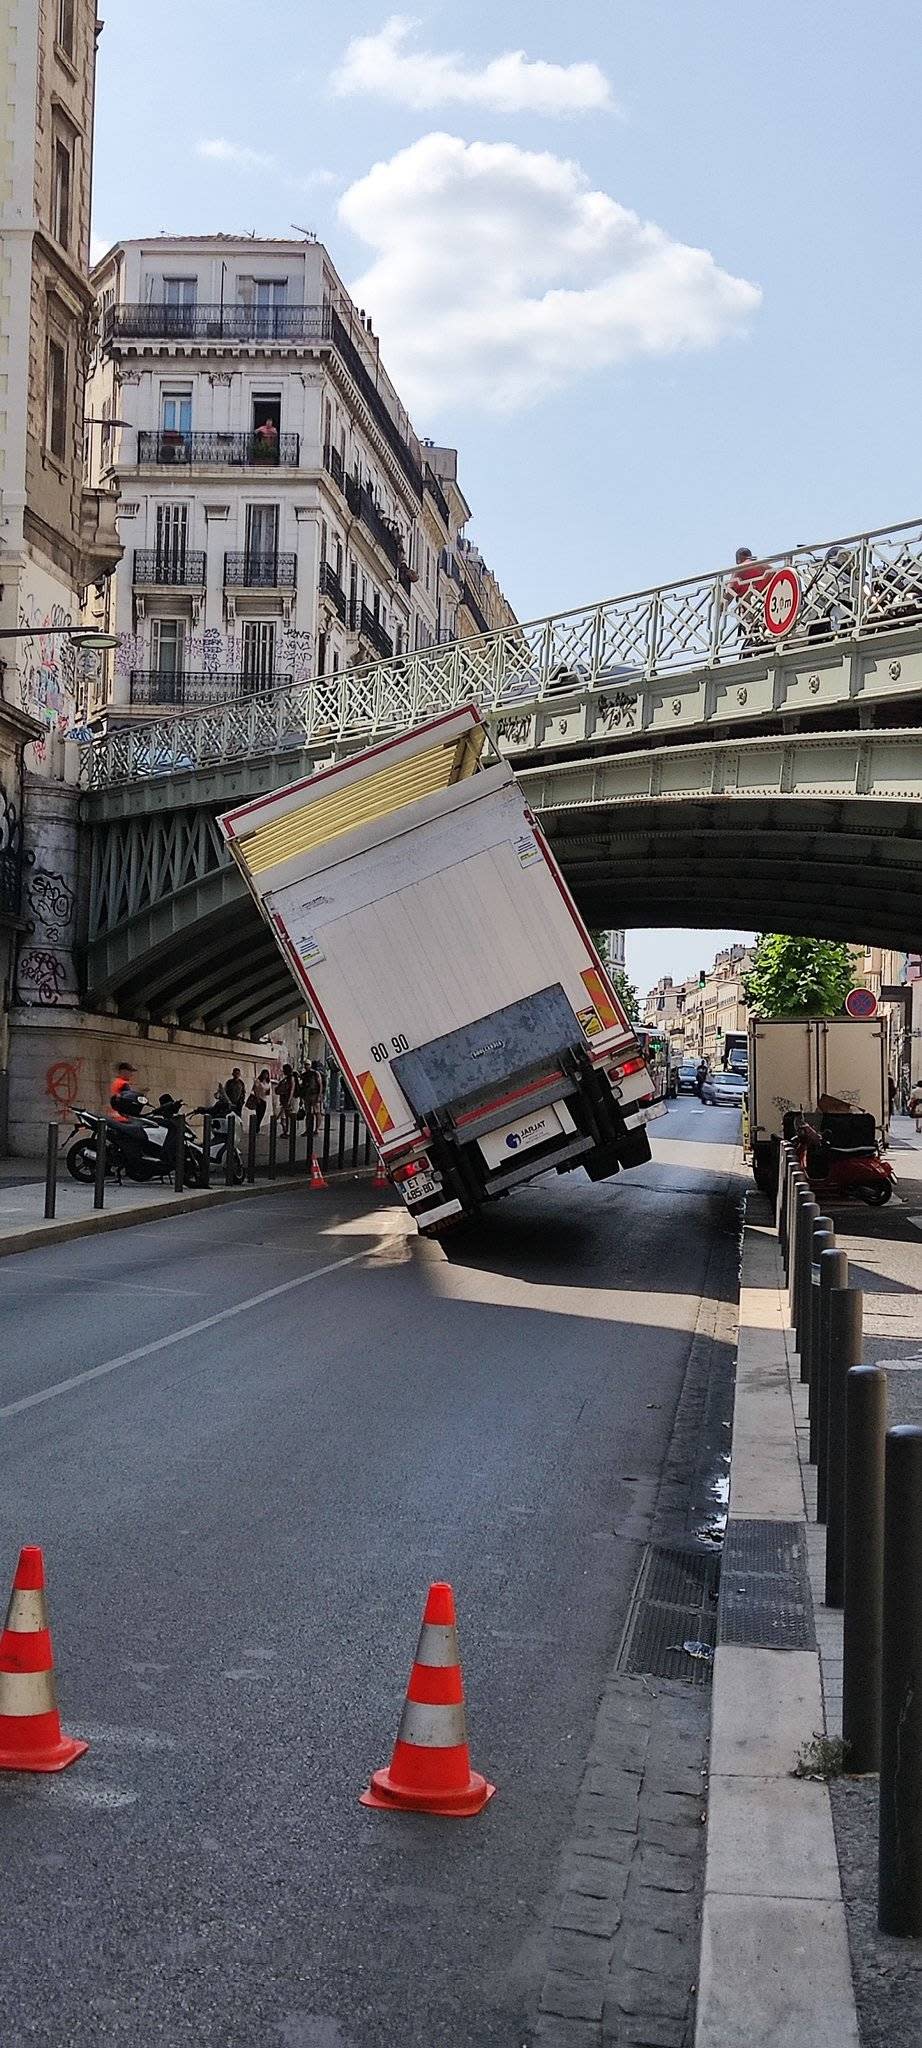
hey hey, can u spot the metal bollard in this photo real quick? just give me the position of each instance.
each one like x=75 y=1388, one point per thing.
x=99 y=1178
x=865 y=1433
x=292 y=1144
x=178 y=1127
x=844 y=1349
x=899 y=1898
x=51 y=1170
x=780 y=1188
x=206 y=1150
x=833 y=1276
x=807 y=1214
x=273 y=1146
x=252 y=1134
x=801 y=1195
x=822 y=1239
x=230 y=1151
x=796 y=1180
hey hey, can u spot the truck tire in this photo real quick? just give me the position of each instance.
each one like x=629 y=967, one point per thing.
x=634 y=1149
x=601 y=1164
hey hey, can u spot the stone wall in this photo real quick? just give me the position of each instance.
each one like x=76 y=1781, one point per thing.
x=62 y=1057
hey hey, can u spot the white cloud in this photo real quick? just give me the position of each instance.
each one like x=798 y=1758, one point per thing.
x=499 y=275
x=218 y=151
x=382 y=65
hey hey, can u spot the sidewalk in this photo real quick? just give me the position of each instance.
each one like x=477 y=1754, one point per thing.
x=791 y=1956
x=24 y=1227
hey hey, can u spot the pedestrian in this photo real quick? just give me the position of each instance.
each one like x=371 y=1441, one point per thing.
x=124 y=1100
x=286 y=1094
x=746 y=589
x=259 y=1095
x=235 y=1090
x=701 y=1074
x=311 y=1092
x=914 y=1105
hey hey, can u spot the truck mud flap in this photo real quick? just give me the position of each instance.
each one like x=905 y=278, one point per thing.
x=634 y=1149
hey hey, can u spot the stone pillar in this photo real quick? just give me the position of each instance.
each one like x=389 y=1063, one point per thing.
x=46 y=972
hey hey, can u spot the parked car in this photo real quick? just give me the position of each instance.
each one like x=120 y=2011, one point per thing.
x=721 y=1089
x=686 y=1077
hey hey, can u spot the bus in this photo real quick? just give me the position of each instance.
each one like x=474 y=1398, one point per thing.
x=655 y=1048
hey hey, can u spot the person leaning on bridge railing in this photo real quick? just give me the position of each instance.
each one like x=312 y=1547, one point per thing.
x=746 y=589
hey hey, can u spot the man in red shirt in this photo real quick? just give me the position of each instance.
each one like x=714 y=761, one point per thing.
x=747 y=589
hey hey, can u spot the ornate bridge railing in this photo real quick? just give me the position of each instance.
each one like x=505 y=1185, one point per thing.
x=856 y=587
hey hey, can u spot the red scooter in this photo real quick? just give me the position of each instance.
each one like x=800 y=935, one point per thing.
x=840 y=1156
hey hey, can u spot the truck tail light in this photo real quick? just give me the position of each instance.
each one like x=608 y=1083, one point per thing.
x=630 y=1067
x=411 y=1168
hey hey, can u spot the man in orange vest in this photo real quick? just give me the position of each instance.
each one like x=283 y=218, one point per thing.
x=124 y=1102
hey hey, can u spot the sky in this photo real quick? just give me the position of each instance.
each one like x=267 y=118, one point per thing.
x=653 y=268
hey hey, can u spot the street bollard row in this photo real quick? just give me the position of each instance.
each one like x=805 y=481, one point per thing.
x=339 y=1139
x=869 y=1494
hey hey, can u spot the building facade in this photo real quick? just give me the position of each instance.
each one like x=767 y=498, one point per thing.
x=280 y=516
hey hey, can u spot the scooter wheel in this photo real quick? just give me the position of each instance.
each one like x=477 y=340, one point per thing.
x=81 y=1160
x=876 y=1196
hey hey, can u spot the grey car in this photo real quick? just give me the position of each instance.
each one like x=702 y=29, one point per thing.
x=721 y=1089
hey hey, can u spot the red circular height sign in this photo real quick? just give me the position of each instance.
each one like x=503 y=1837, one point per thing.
x=861 y=1002
x=782 y=602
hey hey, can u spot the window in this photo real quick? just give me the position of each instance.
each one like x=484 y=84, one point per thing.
x=172 y=532
x=259 y=653
x=66 y=26
x=262 y=541
x=60 y=193
x=323 y=542
x=270 y=295
x=168 y=646
x=176 y=410
x=56 y=399
x=105 y=439
x=179 y=291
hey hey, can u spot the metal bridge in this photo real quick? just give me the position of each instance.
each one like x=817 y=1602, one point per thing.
x=688 y=770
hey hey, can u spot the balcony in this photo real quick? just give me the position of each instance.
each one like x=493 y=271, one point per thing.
x=362 y=505
x=435 y=491
x=218 y=450
x=333 y=464
x=217 y=323
x=250 y=571
x=331 y=587
x=184 y=570
x=10 y=859
x=198 y=689
x=363 y=621
x=101 y=546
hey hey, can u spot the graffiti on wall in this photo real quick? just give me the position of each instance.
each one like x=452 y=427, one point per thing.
x=213 y=653
x=52 y=904
x=48 y=668
x=62 y=1084
x=41 y=977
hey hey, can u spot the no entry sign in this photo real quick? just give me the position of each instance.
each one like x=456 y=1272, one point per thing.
x=782 y=602
x=861 y=1002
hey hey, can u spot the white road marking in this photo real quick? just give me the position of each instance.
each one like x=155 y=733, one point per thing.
x=238 y=1308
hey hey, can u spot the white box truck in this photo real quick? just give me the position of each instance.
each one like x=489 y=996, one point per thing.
x=793 y=1063
x=421 y=911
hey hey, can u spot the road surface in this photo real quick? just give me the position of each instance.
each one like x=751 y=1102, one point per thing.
x=247 y=1441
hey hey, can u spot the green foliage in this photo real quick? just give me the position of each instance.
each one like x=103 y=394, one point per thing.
x=793 y=977
x=601 y=943
x=626 y=993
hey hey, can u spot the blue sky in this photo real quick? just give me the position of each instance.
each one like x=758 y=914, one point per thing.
x=627 y=412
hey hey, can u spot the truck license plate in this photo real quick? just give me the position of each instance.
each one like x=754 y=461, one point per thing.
x=527 y=1131
x=421 y=1187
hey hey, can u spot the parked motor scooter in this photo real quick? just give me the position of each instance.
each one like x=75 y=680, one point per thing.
x=143 y=1148
x=839 y=1153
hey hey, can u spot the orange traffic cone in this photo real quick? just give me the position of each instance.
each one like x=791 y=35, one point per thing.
x=316 y=1179
x=430 y=1770
x=381 y=1179
x=30 y=1725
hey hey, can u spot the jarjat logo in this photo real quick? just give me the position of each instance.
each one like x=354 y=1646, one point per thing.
x=517 y=1138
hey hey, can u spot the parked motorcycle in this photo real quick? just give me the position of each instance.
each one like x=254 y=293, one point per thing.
x=143 y=1148
x=839 y=1153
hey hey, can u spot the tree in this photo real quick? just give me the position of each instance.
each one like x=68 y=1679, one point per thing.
x=792 y=977
x=602 y=946
x=626 y=994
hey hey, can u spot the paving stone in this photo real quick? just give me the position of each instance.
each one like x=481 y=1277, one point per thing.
x=661 y=1950
x=588 y=1915
x=667 y=1912
x=573 y=1998
x=639 y=1991
x=583 y=1955
x=553 y=2032
x=681 y=1807
x=653 y=2031
x=678 y=1838
x=606 y=1778
x=670 y=1873
x=599 y=1877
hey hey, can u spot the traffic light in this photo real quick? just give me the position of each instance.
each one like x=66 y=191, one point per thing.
x=702 y=976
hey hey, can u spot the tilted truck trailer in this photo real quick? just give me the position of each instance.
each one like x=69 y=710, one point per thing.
x=795 y=1063
x=421 y=911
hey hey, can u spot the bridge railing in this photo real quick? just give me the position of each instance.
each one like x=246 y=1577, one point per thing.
x=859 y=585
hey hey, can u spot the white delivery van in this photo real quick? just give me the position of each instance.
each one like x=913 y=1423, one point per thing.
x=421 y=911
x=793 y=1063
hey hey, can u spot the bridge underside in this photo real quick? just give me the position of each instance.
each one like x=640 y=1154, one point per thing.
x=830 y=868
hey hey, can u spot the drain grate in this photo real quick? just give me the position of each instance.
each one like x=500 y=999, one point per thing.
x=765 y=1600
x=675 y=1603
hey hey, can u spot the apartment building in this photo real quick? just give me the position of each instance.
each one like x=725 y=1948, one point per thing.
x=699 y=1013
x=664 y=1010
x=280 y=516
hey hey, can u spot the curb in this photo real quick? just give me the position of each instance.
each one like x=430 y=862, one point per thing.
x=775 y=1963
x=38 y=1235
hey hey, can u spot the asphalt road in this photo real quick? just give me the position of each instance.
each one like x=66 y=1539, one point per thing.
x=247 y=1441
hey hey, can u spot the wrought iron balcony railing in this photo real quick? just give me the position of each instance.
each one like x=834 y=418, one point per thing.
x=198 y=688
x=217 y=324
x=333 y=463
x=331 y=587
x=161 y=322
x=362 y=505
x=249 y=571
x=183 y=569
x=435 y=491
x=363 y=621
x=664 y=663
x=218 y=450
x=10 y=858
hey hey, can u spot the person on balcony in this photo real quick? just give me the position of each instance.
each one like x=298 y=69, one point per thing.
x=267 y=442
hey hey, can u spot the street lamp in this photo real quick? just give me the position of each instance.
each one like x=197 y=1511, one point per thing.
x=80 y=636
